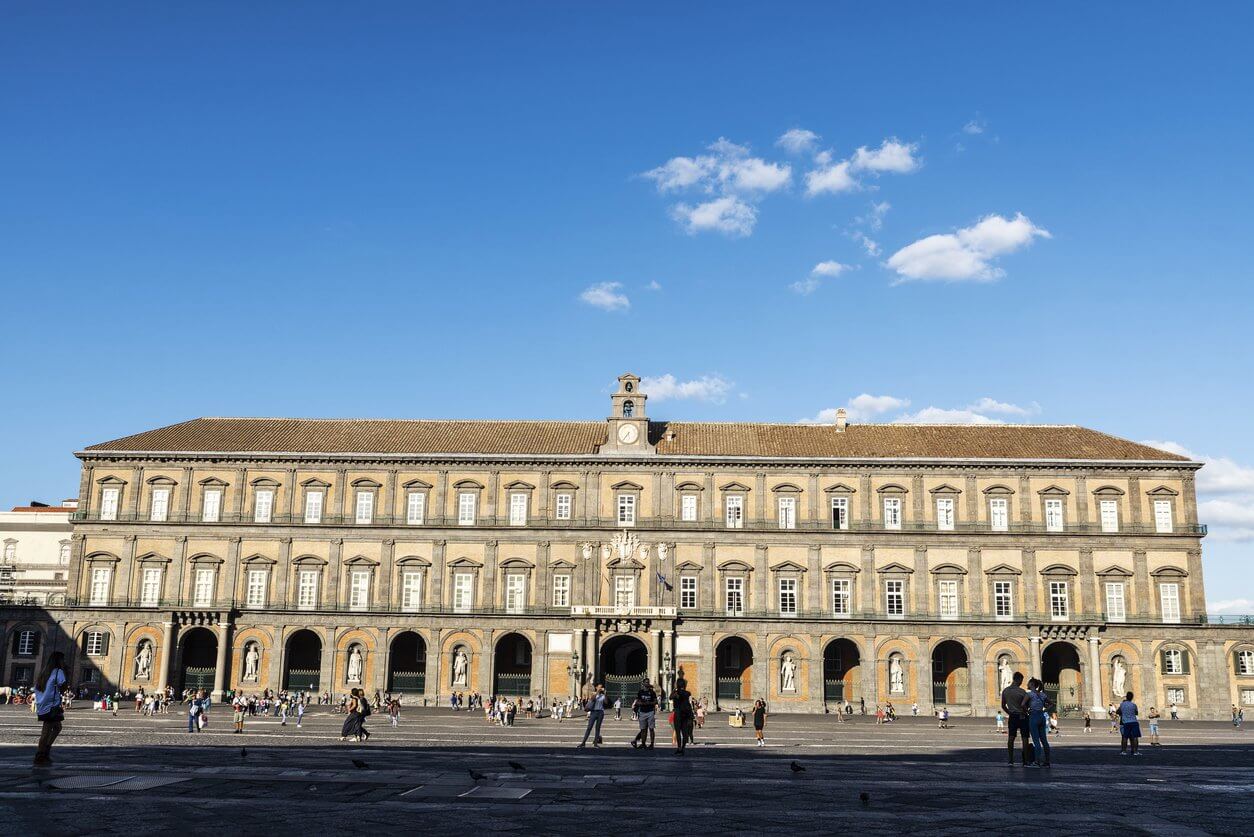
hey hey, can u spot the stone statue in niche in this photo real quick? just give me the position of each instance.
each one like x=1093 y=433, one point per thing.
x=1004 y=674
x=354 y=665
x=896 y=675
x=252 y=658
x=788 y=674
x=460 y=664
x=1118 y=677
x=143 y=660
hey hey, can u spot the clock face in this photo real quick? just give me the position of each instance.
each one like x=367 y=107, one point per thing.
x=627 y=434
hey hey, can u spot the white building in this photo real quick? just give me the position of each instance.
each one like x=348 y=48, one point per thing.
x=35 y=553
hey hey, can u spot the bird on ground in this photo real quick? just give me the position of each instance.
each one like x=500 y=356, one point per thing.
x=476 y=775
x=796 y=768
x=518 y=767
x=360 y=765
x=864 y=797
x=243 y=752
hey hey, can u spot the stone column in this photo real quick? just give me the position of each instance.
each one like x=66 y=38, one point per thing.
x=813 y=581
x=229 y=583
x=134 y=502
x=759 y=505
x=543 y=595
x=237 y=501
x=584 y=497
x=487 y=663
x=326 y=665
x=1026 y=501
x=975 y=582
x=979 y=687
x=918 y=496
x=1095 y=678
x=186 y=503
x=494 y=490
x=341 y=489
x=923 y=678
x=594 y=650
x=289 y=488
x=165 y=658
x=392 y=517
x=869 y=669
x=764 y=668
x=761 y=573
x=594 y=500
x=812 y=491
x=657 y=496
x=711 y=499
x=867 y=583
x=219 y=670
x=433 y=684
x=972 y=492
x=1189 y=495
x=1030 y=583
x=864 y=500
x=544 y=512
x=1035 y=643
x=1197 y=591
x=1142 y=608
x=1088 y=604
x=386 y=570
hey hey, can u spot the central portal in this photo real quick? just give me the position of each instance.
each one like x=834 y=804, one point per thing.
x=624 y=666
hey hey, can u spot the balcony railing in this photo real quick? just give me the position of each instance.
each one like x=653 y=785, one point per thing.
x=659 y=524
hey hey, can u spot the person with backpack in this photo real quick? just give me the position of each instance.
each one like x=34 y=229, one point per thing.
x=1037 y=706
x=48 y=706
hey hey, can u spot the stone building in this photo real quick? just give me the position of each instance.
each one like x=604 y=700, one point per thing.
x=808 y=564
x=35 y=553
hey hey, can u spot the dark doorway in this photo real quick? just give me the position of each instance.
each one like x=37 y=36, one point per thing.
x=734 y=669
x=951 y=676
x=303 y=666
x=624 y=666
x=841 y=671
x=199 y=659
x=1060 y=669
x=512 y=666
x=407 y=664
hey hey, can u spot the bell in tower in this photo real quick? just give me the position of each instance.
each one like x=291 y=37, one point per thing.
x=628 y=422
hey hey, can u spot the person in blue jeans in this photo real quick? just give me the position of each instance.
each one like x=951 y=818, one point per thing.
x=596 y=714
x=1037 y=706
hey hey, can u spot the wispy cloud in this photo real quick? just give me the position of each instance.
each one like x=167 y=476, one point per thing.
x=891 y=408
x=711 y=388
x=975 y=126
x=655 y=285
x=968 y=254
x=864 y=407
x=797 y=141
x=728 y=215
x=607 y=296
x=1225 y=492
x=821 y=271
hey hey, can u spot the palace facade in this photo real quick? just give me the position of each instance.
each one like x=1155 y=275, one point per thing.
x=807 y=564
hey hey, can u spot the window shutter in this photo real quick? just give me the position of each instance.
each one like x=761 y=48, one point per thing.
x=1162 y=661
x=104 y=645
x=1236 y=662
x=1184 y=660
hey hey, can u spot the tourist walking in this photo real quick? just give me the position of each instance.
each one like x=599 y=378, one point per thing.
x=1012 y=703
x=1037 y=705
x=618 y=709
x=300 y=712
x=681 y=708
x=193 y=715
x=352 y=721
x=914 y=710
x=238 y=704
x=1129 y=727
x=1001 y=722
x=595 y=707
x=645 y=709
x=49 y=707
x=1175 y=713
x=759 y=722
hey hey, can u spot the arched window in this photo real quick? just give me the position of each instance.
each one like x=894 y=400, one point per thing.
x=629 y=409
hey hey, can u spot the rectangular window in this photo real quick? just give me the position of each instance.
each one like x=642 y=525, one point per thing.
x=947 y=593
x=1053 y=515
x=561 y=591
x=150 y=587
x=109 y=504
x=840 y=512
x=359 y=590
x=895 y=599
x=788 y=597
x=1110 y=515
x=564 y=506
x=313 y=507
x=1162 y=517
x=307 y=590
x=1245 y=663
x=842 y=597
x=100 y=586
x=160 y=508
x=945 y=514
x=1003 y=601
x=517 y=509
x=1059 y=601
x=463 y=592
x=415 y=508
x=624 y=591
x=202 y=587
x=1116 y=607
x=626 y=509
x=411 y=591
x=466 y=508
x=211 y=505
x=1169 y=598
x=892 y=512
x=515 y=593
x=365 y=507
x=1173 y=661
x=1176 y=695
x=263 y=505
x=1247 y=697
x=788 y=512
x=735 y=589
x=95 y=643
x=999 y=514
x=255 y=595
x=27 y=642
x=734 y=505
x=688 y=592
x=688 y=507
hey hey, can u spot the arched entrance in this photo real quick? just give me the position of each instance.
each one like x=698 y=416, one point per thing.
x=512 y=666
x=841 y=666
x=199 y=658
x=951 y=674
x=302 y=664
x=733 y=669
x=624 y=666
x=407 y=664
x=1060 y=670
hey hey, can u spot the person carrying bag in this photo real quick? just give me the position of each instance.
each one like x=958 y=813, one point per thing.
x=48 y=706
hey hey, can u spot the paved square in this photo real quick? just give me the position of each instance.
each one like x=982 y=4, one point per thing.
x=133 y=774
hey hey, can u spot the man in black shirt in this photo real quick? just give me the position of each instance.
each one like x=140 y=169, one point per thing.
x=645 y=706
x=1012 y=699
x=681 y=705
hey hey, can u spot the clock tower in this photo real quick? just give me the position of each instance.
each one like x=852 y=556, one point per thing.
x=628 y=424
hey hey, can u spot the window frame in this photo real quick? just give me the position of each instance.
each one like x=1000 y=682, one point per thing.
x=1058 y=522
x=363 y=506
x=308 y=595
x=688 y=588
x=734 y=584
x=785 y=588
x=255 y=584
x=1119 y=613
x=1008 y=596
x=358 y=589
x=205 y=515
x=895 y=592
x=518 y=503
x=516 y=586
x=948 y=590
x=561 y=590
x=563 y=505
x=625 y=508
x=1159 y=504
x=838 y=589
x=415 y=508
x=786 y=511
x=840 y=521
x=1059 y=600
x=463 y=598
x=467 y=501
x=268 y=507
x=208 y=575
x=165 y=493
x=110 y=502
x=686 y=514
x=733 y=510
x=315 y=505
x=893 y=521
x=100 y=586
x=1174 y=617
x=145 y=574
x=411 y=594
x=1108 y=515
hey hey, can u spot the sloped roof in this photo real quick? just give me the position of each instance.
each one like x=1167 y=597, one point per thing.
x=576 y=438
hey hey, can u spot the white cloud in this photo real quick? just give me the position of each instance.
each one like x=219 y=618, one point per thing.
x=797 y=140
x=875 y=220
x=712 y=388
x=989 y=405
x=606 y=296
x=940 y=415
x=966 y=255
x=728 y=215
x=655 y=285
x=680 y=173
x=1225 y=490
x=821 y=271
x=975 y=126
x=870 y=245
x=831 y=180
x=892 y=156
x=863 y=407
x=1220 y=475
x=1239 y=606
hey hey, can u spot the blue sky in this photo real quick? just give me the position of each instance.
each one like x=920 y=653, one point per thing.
x=491 y=210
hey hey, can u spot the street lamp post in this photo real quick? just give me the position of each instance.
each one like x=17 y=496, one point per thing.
x=575 y=670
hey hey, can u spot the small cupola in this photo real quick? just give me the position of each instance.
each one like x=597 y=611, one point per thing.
x=628 y=430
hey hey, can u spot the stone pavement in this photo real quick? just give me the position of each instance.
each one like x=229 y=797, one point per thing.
x=129 y=774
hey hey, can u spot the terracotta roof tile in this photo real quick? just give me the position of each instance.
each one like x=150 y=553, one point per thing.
x=861 y=441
